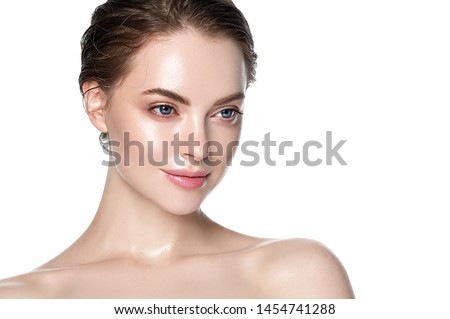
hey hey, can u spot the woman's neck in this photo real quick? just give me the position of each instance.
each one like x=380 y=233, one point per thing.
x=128 y=225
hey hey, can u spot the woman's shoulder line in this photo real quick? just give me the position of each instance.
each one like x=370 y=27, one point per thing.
x=301 y=268
x=39 y=283
x=28 y=285
x=292 y=245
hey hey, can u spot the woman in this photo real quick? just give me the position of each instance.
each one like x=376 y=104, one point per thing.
x=164 y=82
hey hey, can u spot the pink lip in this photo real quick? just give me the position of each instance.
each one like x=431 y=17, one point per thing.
x=186 y=179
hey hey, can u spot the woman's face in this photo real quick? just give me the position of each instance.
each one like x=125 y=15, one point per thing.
x=175 y=118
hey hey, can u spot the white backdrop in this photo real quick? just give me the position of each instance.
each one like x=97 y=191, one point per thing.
x=375 y=73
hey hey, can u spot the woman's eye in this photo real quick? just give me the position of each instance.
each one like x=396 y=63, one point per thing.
x=228 y=113
x=163 y=110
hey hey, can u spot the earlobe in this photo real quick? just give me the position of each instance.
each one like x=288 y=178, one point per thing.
x=94 y=102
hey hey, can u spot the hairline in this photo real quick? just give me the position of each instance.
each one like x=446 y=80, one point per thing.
x=165 y=35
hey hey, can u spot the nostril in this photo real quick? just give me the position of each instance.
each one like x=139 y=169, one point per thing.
x=201 y=151
x=193 y=147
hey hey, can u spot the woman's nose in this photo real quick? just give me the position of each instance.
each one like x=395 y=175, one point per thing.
x=195 y=144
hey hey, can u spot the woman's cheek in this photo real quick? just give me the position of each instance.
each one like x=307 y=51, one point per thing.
x=224 y=143
x=141 y=143
x=158 y=138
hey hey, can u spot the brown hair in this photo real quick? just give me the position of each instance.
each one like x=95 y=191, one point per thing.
x=119 y=28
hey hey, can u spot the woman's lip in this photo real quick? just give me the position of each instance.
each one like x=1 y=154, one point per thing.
x=186 y=179
x=185 y=173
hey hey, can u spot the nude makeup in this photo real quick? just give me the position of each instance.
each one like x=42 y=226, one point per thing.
x=186 y=178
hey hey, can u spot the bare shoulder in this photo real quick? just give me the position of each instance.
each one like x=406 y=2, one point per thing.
x=301 y=268
x=23 y=286
x=36 y=284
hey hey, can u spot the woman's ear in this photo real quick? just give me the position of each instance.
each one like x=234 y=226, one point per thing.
x=94 y=101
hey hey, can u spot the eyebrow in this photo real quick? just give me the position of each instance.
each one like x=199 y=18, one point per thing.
x=177 y=97
x=231 y=98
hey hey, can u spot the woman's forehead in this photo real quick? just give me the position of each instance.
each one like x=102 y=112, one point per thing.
x=188 y=61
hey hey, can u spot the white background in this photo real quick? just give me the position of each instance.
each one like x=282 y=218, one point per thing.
x=375 y=73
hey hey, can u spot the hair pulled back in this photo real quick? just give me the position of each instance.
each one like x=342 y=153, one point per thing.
x=119 y=28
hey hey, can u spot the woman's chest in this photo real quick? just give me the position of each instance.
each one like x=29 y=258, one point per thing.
x=202 y=278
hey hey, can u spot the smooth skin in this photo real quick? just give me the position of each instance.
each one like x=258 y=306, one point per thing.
x=149 y=238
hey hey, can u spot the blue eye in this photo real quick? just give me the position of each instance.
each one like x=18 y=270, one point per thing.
x=228 y=113
x=163 y=109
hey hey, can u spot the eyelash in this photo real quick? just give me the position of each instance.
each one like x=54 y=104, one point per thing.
x=235 y=114
x=155 y=111
x=155 y=108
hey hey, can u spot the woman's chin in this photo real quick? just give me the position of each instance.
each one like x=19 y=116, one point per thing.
x=181 y=209
x=184 y=204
